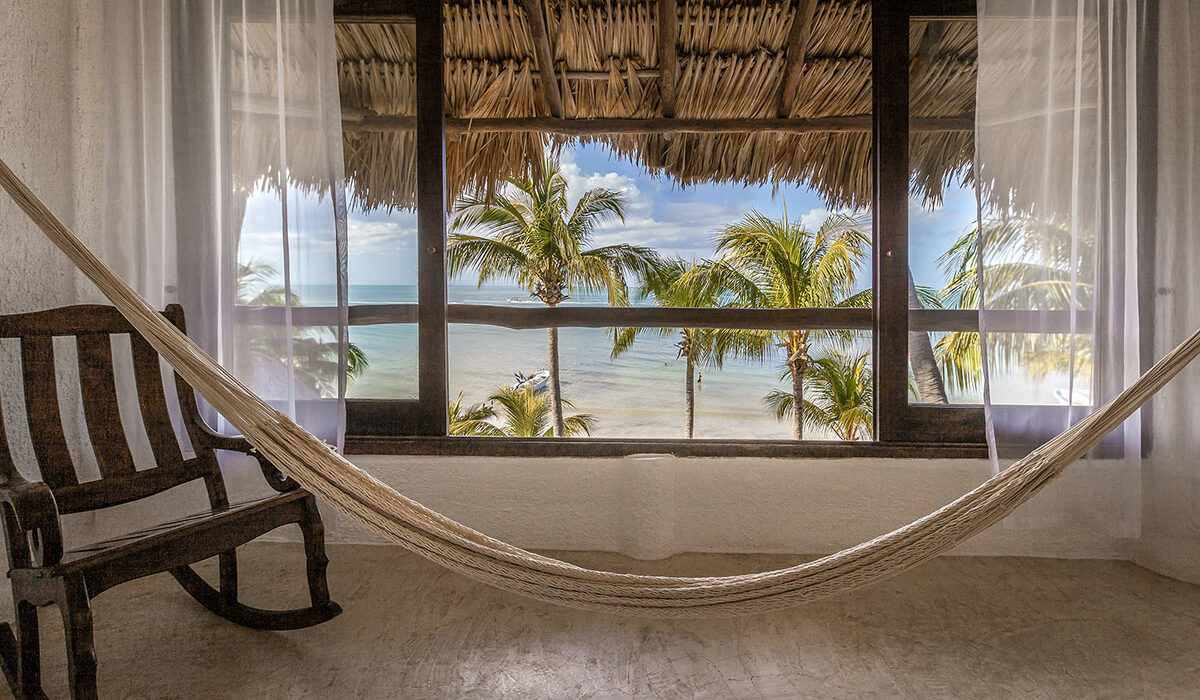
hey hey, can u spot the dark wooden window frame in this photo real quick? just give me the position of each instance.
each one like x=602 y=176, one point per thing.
x=386 y=426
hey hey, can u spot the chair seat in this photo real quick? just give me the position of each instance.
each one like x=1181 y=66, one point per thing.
x=191 y=530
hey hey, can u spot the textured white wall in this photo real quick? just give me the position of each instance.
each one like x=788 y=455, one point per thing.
x=38 y=119
x=651 y=507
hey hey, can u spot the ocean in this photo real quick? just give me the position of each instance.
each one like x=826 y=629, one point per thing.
x=639 y=394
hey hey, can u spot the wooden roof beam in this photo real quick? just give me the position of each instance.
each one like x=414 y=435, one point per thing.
x=657 y=125
x=545 y=59
x=373 y=11
x=797 y=47
x=668 y=58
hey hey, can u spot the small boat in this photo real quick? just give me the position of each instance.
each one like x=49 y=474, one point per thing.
x=533 y=382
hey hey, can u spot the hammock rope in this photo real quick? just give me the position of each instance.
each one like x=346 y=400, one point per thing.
x=459 y=548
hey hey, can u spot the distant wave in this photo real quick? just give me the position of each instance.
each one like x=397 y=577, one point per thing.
x=524 y=301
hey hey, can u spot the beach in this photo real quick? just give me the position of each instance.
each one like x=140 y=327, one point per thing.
x=639 y=394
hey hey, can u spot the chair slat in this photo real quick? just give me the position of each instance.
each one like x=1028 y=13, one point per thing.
x=67 y=320
x=99 y=388
x=41 y=407
x=7 y=467
x=122 y=489
x=152 y=399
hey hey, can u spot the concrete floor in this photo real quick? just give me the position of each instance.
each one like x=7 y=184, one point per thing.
x=957 y=627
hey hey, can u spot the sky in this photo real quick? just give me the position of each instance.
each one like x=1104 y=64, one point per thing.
x=672 y=219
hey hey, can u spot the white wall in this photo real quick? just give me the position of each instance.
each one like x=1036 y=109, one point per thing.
x=38 y=117
x=652 y=507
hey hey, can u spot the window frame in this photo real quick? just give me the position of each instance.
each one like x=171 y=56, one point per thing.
x=387 y=426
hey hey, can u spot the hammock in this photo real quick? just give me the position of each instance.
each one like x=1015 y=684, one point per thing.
x=457 y=547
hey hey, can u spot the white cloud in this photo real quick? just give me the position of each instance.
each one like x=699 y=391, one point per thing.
x=365 y=237
x=578 y=183
x=675 y=222
x=814 y=218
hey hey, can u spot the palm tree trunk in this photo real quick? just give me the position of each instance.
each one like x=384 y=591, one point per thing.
x=798 y=401
x=556 y=411
x=930 y=387
x=689 y=399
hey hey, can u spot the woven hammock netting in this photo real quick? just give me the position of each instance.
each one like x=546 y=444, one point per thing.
x=457 y=547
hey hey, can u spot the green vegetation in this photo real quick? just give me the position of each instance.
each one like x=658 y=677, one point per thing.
x=314 y=357
x=780 y=264
x=1027 y=264
x=528 y=233
x=680 y=284
x=523 y=412
x=471 y=420
x=839 y=398
x=534 y=236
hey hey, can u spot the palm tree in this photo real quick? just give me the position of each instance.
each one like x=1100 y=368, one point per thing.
x=472 y=420
x=314 y=359
x=930 y=385
x=534 y=236
x=527 y=413
x=780 y=264
x=1027 y=264
x=841 y=398
x=677 y=283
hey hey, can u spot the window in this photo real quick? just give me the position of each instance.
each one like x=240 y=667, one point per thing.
x=454 y=337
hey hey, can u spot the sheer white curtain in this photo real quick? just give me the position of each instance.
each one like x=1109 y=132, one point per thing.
x=222 y=185
x=1171 y=487
x=1059 y=122
x=1088 y=149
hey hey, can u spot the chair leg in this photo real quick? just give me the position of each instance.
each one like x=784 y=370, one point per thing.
x=29 y=660
x=223 y=601
x=76 y=612
x=313 y=530
x=227 y=568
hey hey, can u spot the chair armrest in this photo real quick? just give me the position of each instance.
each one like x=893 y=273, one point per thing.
x=31 y=520
x=211 y=439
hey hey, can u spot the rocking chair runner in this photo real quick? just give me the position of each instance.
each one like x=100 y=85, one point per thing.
x=43 y=574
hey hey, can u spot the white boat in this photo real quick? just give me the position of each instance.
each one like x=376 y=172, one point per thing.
x=533 y=382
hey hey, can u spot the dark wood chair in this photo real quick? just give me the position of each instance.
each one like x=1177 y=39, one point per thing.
x=43 y=574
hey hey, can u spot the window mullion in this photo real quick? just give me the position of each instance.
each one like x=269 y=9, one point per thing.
x=431 y=221
x=889 y=87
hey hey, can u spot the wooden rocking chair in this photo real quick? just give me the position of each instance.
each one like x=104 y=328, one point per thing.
x=43 y=574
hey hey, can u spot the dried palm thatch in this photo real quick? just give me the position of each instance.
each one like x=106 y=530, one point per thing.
x=731 y=59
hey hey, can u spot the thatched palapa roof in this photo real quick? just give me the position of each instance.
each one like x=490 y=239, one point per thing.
x=799 y=68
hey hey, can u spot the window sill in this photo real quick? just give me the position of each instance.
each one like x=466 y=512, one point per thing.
x=594 y=447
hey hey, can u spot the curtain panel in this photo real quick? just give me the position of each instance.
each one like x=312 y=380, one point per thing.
x=1088 y=168
x=223 y=186
x=1059 y=117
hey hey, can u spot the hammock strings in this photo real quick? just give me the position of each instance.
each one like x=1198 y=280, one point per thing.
x=379 y=507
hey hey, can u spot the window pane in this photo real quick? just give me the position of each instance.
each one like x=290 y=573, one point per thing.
x=642 y=392
x=382 y=227
x=390 y=368
x=944 y=363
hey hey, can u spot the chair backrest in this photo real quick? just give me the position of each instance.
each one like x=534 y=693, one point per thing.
x=92 y=328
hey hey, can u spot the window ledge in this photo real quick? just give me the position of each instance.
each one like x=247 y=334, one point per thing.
x=595 y=447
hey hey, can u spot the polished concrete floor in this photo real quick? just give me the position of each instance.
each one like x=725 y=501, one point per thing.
x=957 y=627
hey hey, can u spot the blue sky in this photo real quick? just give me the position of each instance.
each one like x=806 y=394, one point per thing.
x=672 y=219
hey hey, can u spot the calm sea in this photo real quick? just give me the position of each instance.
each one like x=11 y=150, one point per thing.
x=639 y=394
